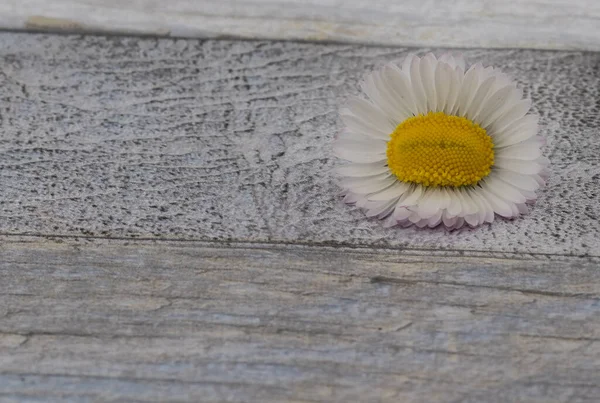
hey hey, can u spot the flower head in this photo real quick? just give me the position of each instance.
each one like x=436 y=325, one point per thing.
x=435 y=144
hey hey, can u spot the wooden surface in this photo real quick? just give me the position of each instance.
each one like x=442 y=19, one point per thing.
x=170 y=231
x=157 y=321
x=545 y=24
x=221 y=140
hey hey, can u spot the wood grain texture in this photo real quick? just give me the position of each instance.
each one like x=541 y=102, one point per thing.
x=254 y=283
x=186 y=321
x=547 y=24
x=230 y=140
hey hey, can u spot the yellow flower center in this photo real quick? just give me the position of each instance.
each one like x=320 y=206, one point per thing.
x=440 y=150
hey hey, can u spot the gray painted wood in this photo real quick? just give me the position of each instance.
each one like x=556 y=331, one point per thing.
x=101 y=320
x=229 y=140
x=550 y=24
x=254 y=283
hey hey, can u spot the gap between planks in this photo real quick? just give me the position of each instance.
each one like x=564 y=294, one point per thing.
x=98 y=241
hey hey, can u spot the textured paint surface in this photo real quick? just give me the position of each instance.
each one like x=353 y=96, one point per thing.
x=226 y=140
x=176 y=321
x=549 y=24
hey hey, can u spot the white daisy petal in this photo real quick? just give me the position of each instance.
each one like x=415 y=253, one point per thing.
x=503 y=190
x=382 y=209
x=400 y=87
x=456 y=80
x=402 y=213
x=368 y=112
x=362 y=202
x=348 y=135
x=414 y=196
x=480 y=95
x=414 y=218
x=422 y=223
x=373 y=147
x=448 y=220
x=455 y=206
x=375 y=186
x=500 y=206
x=359 y=156
x=455 y=225
x=358 y=170
x=377 y=88
x=495 y=112
x=516 y=112
x=427 y=72
x=351 y=198
x=407 y=63
x=469 y=205
x=523 y=182
x=443 y=81
x=484 y=210
x=486 y=72
x=435 y=220
x=467 y=90
x=393 y=192
x=445 y=198
x=448 y=59
x=521 y=130
x=530 y=196
x=502 y=80
x=405 y=223
x=545 y=173
x=460 y=62
x=543 y=161
x=528 y=151
x=539 y=179
x=371 y=88
x=494 y=102
x=352 y=182
x=518 y=166
x=489 y=211
x=430 y=203
x=356 y=125
x=389 y=222
x=515 y=210
x=523 y=209
x=472 y=219
x=455 y=61
x=417 y=86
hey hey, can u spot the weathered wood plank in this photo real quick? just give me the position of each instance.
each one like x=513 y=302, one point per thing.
x=168 y=321
x=189 y=139
x=556 y=24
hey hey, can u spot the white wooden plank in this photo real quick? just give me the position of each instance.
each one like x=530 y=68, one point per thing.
x=186 y=321
x=549 y=24
x=230 y=140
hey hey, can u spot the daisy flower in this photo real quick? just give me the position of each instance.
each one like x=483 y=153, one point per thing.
x=435 y=144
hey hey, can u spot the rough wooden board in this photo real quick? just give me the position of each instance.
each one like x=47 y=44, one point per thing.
x=554 y=24
x=158 y=321
x=189 y=139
